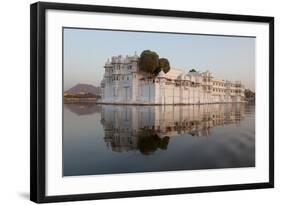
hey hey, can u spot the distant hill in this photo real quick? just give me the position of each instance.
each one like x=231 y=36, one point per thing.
x=84 y=88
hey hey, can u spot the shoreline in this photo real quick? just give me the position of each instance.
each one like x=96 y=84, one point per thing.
x=79 y=100
x=95 y=101
x=176 y=104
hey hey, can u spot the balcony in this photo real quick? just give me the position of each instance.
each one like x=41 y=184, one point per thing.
x=116 y=71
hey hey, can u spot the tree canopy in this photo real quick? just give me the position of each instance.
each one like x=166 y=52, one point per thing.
x=192 y=70
x=164 y=65
x=150 y=63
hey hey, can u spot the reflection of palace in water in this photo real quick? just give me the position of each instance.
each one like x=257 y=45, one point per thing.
x=148 y=128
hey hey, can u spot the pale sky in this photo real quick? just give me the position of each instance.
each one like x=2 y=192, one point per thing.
x=228 y=58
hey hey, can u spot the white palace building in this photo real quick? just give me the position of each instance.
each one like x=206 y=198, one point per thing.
x=124 y=83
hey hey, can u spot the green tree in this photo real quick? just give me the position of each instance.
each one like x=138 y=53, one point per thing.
x=149 y=61
x=164 y=65
x=192 y=70
x=157 y=71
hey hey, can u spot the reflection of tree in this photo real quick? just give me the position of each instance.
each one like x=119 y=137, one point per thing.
x=149 y=142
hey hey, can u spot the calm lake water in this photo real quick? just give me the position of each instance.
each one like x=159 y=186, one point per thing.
x=109 y=139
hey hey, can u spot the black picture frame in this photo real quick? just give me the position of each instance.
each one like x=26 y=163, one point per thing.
x=38 y=101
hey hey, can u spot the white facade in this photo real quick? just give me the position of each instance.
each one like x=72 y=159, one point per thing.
x=124 y=83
